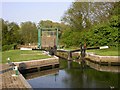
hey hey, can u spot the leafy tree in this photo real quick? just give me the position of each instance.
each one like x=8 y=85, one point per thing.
x=84 y=14
x=104 y=33
x=50 y=24
x=13 y=32
x=46 y=24
x=10 y=33
x=28 y=32
x=115 y=10
x=104 y=29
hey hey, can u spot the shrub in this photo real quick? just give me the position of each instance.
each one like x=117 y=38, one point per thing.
x=9 y=47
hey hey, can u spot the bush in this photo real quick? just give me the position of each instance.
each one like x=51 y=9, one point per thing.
x=9 y=47
x=99 y=35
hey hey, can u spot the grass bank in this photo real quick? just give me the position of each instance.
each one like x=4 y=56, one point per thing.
x=106 y=52
x=18 y=55
x=112 y=51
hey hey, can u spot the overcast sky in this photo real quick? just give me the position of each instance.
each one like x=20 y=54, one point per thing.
x=34 y=11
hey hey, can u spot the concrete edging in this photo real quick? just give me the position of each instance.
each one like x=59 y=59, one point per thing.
x=55 y=59
x=37 y=60
x=27 y=85
x=99 y=58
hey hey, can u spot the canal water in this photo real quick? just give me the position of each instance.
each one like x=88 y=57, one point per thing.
x=72 y=77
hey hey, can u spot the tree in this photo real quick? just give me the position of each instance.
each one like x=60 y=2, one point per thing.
x=46 y=24
x=10 y=34
x=4 y=32
x=13 y=30
x=84 y=14
x=102 y=29
x=28 y=32
x=115 y=10
x=50 y=24
x=0 y=40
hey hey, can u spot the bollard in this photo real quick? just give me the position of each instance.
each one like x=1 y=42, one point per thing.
x=8 y=60
x=16 y=71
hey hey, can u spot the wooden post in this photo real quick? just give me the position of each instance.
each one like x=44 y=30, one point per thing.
x=83 y=53
x=69 y=55
x=57 y=37
x=69 y=59
x=55 y=49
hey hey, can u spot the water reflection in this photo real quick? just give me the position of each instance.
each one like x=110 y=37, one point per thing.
x=74 y=77
x=103 y=67
x=69 y=64
x=41 y=73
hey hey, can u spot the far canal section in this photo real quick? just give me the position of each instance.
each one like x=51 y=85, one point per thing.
x=74 y=76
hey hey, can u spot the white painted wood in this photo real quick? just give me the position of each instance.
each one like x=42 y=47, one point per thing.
x=25 y=48
x=104 y=47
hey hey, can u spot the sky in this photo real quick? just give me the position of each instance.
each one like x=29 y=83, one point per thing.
x=33 y=11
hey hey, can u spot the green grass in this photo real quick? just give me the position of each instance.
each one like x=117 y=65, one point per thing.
x=112 y=51
x=106 y=52
x=18 y=55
